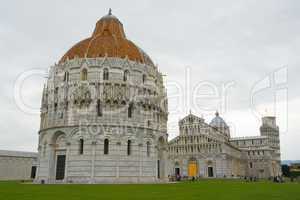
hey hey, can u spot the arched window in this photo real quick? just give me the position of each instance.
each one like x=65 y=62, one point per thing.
x=106 y=146
x=130 y=110
x=67 y=105
x=126 y=75
x=44 y=149
x=66 y=77
x=56 y=91
x=148 y=149
x=144 y=78
x=55 y=107
x=105 y=74
x=84 y=74
x=129 y=147
x=81 y=143
x=99 y=108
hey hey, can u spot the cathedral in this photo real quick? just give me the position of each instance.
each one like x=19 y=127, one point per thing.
x=104 y=117
x=207 y=150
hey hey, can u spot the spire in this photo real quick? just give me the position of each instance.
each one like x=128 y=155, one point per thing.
x=190 y=111
x=109 y=11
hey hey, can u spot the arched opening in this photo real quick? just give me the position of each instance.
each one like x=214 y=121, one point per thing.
x=192 y=168
x=106 y=147
x=99 y=108
x=105 y=74
x=84 y=74
x=125 y=75
x=81 y=144
x=67 y=105
x=148 y=149
x=56 y=91
x=66 y=77
x=58 y=162
x=144 y=78
x=55 y=107
x=210 y=172
x=130 y=110
x=129 y=147
x=210 y=169
x=177 y=170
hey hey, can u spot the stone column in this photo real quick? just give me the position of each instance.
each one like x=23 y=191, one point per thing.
x=68 y=144
x=140 y=160
x=118 y=159
x=37 y=174
x=155 y=160
x=51 y=163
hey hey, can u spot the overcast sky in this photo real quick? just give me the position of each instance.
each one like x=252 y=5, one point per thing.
x=232 y=56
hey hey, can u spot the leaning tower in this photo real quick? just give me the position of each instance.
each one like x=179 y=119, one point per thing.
x=104 y=113
x=270 y=129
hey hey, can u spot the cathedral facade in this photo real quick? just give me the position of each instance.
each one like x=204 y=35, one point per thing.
x=104 y=119
x=207 y=150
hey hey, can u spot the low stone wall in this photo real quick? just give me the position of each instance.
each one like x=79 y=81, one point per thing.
x=16 y=165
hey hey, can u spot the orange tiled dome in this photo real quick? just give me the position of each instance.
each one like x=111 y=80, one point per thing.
x=108 y=39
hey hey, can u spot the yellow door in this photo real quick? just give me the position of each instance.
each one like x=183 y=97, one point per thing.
x=192 y=170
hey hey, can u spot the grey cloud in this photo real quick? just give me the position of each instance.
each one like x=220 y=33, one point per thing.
x=221 y=41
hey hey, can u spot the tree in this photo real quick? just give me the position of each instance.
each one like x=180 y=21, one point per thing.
x=285 y=170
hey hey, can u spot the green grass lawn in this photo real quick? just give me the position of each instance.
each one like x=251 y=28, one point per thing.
x=212 y=189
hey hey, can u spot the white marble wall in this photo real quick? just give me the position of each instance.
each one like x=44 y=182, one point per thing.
x=69 y=110
x=16 y=166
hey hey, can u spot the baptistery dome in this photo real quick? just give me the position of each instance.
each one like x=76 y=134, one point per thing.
x=108 y=39
x=104 y=113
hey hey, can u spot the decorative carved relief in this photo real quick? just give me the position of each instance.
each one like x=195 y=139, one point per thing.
x=82 y=96
x=116 y=93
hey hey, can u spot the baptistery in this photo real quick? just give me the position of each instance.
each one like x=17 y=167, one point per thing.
x=104 y=113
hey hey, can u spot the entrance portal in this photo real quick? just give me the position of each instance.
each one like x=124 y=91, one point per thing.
x=192 y=169
x=60 y=167
x=210 y=172
x=177 y=172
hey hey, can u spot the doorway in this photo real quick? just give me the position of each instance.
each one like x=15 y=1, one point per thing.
x=60 y=167
x=177 y=171
x=33 y=172
x=192 y=169
x=210 y=172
